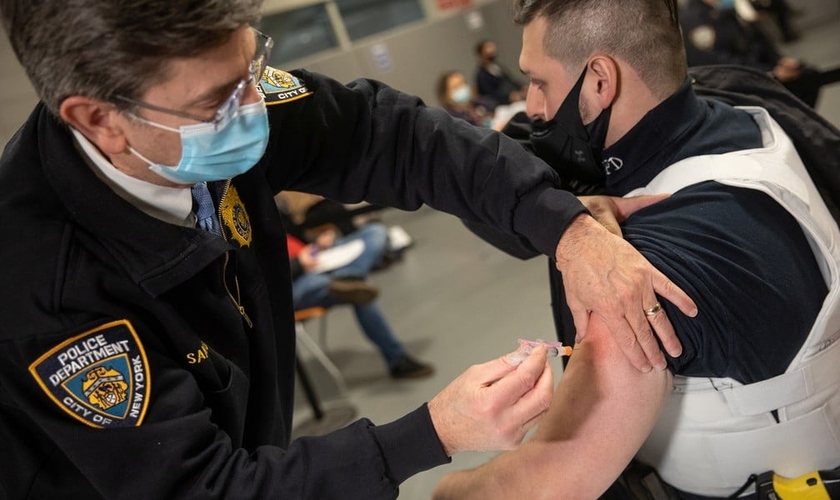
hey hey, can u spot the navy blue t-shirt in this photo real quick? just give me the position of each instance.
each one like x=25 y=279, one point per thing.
x=742 y=257
x=745 y=262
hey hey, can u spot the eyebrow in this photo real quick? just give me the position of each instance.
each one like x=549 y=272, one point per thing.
x=532 y=79
x=220 y=90
x=214 y=92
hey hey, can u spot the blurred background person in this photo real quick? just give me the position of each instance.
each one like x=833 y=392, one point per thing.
x=457 y=98
x=781 y=13
x=715 y=33
x=492 y=80
x=317 y=285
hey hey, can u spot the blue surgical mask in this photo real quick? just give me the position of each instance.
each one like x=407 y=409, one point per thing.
x=726 y=4
x=211 y=153
x=462 y=94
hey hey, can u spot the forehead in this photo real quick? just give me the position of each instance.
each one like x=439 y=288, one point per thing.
x=455 y=79
x=533 y=60
x=189 y=77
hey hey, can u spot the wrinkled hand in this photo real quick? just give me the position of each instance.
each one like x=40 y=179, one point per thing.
x=605 y=275
x=492 y=405
x=610 y=211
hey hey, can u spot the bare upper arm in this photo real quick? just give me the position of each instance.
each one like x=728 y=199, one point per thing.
x=603 y=410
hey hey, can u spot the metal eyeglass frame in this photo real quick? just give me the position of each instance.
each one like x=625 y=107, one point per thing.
x=230 y=107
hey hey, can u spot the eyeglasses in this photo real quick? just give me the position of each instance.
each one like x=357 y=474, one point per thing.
x=230 y=107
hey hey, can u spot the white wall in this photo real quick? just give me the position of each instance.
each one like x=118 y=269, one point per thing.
x=17 y=97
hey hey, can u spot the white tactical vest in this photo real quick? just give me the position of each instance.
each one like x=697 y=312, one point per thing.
x=715 y=432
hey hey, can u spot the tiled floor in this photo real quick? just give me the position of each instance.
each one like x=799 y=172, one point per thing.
x=456 y=301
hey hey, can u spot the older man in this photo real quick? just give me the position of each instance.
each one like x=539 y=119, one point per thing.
x=147 y=341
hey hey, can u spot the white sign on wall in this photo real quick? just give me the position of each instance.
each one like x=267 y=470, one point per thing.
x=382 y=57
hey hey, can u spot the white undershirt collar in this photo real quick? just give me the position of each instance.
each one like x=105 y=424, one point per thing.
x=169 y=204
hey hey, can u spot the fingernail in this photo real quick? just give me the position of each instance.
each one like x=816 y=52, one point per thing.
x=516 y=358
x=519 y=355
x=661 y=366
x=646 y=368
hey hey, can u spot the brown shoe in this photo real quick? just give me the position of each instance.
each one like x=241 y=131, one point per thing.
x=352 y=291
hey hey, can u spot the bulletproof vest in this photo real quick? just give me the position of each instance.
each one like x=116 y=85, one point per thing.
x=715 y=432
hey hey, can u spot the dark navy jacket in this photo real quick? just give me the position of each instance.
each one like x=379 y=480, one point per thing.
x=145 y=360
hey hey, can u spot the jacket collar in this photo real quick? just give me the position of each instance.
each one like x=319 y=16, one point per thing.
x=156 y=255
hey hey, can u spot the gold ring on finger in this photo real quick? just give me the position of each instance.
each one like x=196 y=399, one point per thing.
x=653 y=310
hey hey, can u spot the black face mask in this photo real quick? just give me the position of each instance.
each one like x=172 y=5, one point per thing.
x=572 y=148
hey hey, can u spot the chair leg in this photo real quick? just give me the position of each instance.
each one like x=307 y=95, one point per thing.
x=327 y=415
x=308 y=390
x=322 y=332
x=322 y=358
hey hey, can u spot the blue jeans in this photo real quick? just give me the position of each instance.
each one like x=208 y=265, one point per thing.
x=312 y=290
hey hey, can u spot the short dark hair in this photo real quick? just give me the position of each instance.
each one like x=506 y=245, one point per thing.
x=644 y=33
x=479 y=47
x=104 y=48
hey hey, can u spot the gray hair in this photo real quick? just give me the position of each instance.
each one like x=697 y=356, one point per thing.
x=104 y=48
x=643 y=33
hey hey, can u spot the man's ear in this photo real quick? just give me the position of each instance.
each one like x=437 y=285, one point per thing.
x=606 y=72
x=98 y=121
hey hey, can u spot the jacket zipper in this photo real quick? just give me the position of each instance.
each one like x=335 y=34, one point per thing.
x=237 y=301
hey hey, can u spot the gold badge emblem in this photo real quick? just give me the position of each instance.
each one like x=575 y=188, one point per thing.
x=105 y=387
x=235 y=217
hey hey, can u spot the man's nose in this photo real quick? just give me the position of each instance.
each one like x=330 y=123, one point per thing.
x=534 y=104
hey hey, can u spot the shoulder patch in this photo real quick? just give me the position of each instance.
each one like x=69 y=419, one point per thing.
x=703 y=37
x=100 y=377
x=278 y=87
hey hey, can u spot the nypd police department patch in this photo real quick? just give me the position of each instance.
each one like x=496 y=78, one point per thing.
x=278 y=87
x=99 y=377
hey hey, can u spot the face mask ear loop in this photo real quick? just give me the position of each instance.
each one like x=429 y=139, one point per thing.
x=568 y=114
x=153 y=124
x=138 y=155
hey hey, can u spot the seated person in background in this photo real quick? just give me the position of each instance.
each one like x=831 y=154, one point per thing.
x=348 y=284
x=312 y=214
x=715 y=34
x=744 y=232
x=456 y=97
x=492 y=81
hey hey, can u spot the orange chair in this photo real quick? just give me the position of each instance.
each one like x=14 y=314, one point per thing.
x=316 y=312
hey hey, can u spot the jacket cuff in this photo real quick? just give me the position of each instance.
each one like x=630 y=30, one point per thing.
x=543 y=215
x=410 y=445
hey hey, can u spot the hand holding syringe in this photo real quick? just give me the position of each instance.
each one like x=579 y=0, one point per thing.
x=526 y=346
